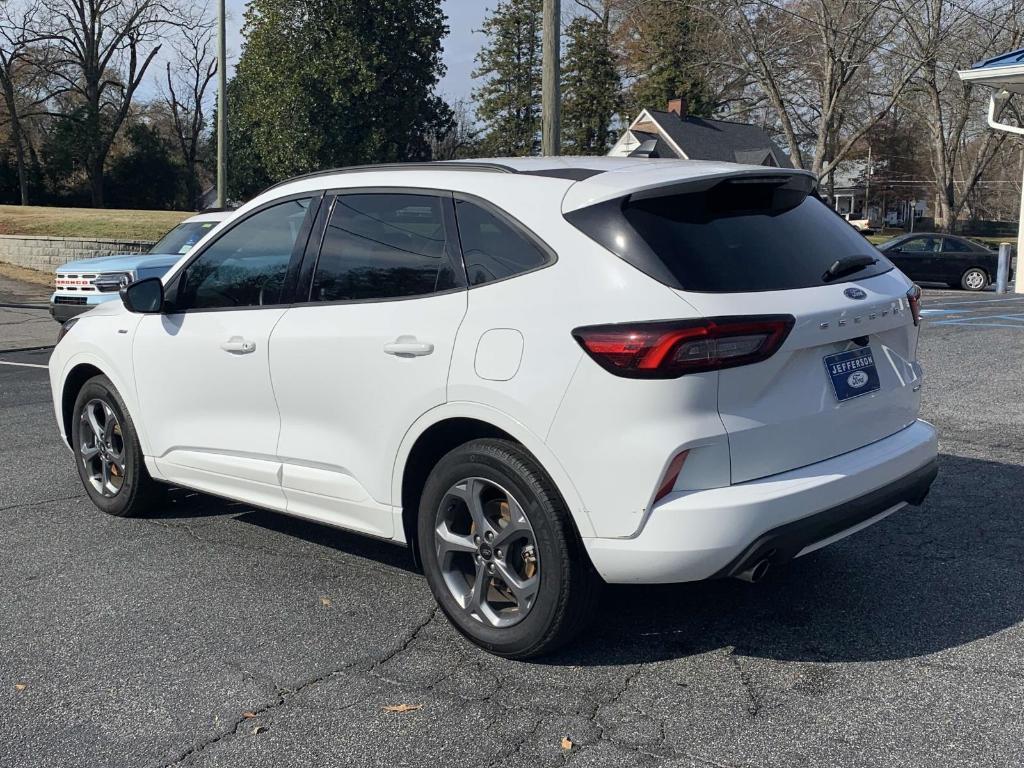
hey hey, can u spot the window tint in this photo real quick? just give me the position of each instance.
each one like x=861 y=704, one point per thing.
x=383 y=247
x=747 y=235
x=952 y=245
x=247 y=265
x=920 y=245
x=492 y=248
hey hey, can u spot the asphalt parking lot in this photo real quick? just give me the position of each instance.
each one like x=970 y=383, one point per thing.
x=213 y=634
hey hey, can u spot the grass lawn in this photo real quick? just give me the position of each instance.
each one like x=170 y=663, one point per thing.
x=87 y=222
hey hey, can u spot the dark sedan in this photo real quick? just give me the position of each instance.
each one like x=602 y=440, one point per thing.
x=936 y=258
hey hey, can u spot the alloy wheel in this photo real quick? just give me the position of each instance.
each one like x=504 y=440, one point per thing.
x=101 y=448
x=487 y=552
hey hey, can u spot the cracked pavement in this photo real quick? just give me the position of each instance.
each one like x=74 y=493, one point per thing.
x=214 y=634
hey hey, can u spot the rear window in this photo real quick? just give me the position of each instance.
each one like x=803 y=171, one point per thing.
x=739 y=236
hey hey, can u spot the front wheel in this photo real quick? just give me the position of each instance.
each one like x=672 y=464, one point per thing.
x=107 y=451
x=974 y=279
x=500 y=552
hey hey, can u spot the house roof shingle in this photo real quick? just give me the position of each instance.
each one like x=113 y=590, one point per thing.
x=704 y=139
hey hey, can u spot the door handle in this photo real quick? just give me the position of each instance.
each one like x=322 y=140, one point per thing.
x=408 y=346
x=239 y=346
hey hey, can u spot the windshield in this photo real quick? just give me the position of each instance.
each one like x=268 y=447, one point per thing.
x=181 y=239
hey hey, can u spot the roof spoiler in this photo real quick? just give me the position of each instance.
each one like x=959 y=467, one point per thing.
x=640 y=181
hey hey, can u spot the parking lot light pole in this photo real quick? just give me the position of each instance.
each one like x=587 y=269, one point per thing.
x=222 y=109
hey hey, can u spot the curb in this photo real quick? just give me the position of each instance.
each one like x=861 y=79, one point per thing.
x=13 y=305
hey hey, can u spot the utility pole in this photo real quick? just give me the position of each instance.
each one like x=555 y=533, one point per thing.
x=222 y=109
x=551 y=96
x=867 y=188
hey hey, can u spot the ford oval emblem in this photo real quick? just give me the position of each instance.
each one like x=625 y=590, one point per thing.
x=855 y=293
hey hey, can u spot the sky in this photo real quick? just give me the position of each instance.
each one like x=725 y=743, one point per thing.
x=461 y=45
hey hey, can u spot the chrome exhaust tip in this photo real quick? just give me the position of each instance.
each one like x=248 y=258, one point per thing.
x=756 y=572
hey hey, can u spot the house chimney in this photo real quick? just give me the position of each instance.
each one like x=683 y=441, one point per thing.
x=678 y=106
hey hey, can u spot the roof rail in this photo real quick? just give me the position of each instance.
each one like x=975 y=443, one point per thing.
x=460 y=165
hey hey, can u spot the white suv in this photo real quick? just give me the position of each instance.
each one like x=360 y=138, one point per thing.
x=538 y=374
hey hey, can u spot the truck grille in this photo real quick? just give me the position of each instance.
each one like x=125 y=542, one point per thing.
x=69 y=299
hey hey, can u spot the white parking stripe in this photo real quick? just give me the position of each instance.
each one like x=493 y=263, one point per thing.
x=23 y=365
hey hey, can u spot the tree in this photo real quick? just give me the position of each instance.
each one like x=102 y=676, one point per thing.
x=658 y=42
x=942 y=38
x=590 y=87
x=331 y=84
x=186 y=85
x=508 y=101
x=19 y=39
x=145 y=176
x=102 y=51
x=824 y=67
x=461 y=139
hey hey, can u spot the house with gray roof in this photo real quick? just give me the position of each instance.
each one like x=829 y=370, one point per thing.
x=673 y=133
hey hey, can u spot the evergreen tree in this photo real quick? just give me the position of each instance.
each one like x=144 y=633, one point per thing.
x=508 y=101
x=590 y=88
x=325 y=83
x=658 y=43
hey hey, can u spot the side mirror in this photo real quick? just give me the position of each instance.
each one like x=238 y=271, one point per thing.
x=145 y=296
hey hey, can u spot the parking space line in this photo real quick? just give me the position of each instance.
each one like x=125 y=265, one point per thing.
x=23 y=365
x=948 y=304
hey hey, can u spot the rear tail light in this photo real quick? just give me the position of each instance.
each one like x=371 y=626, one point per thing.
x=668 y=480
x=914 y=299
x=669 y=349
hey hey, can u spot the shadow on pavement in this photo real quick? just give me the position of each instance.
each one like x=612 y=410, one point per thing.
x=926 y=579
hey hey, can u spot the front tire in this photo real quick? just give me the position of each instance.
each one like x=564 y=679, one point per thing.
x=107 y=452
x=500 y=552
x=974 y=279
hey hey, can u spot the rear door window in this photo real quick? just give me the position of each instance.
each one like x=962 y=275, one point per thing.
x=385 y=246
x=735 y=239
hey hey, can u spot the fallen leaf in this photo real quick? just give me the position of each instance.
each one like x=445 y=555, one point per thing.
x=325 y=602
x=259 y=729
x=566 y=743
x=19 y=687
x=400 y=708
x=248 y=715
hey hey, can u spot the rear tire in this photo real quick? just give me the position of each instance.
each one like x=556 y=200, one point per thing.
x=974 y=279
x=500 y=552
x=107 y=452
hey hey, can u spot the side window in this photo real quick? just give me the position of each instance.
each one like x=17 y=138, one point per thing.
x=247 y=265
x=949 y=245
x=384 y=246
x=492 y=248
x=919 y=245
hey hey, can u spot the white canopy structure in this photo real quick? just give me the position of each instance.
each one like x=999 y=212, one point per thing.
x=1005 y=74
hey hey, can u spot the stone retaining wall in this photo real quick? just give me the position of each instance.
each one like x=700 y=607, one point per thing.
x=46 y=253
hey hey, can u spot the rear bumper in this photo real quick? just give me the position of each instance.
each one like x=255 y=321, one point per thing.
x=720 y=532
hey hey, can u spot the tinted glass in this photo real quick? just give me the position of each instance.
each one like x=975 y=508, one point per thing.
x=246 y=266
x=181 y=239
x=748 y=237
x=920 y=245
x=383 y=247
x=493 y=249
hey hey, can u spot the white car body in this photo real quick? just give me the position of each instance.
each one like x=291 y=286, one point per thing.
x=308 y=409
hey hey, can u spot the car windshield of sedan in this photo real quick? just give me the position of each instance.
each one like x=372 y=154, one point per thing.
x=181 y=239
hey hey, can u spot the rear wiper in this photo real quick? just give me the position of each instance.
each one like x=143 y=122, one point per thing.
x=847 y=265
